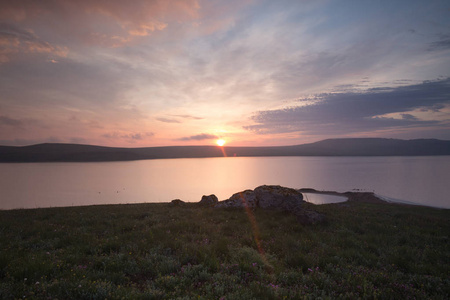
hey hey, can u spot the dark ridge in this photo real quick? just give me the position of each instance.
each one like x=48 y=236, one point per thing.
x=331 y=147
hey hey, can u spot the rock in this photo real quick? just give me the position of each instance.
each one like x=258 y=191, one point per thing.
x=177 y=202
x=278 y=197
x=308 y=217
x=209 y=200
x=272 y=197
x=265 y=196
x=245 y=198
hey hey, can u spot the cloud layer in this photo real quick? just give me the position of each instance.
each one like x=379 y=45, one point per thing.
x=362 y=112
x=158 y=72
x=199 y=137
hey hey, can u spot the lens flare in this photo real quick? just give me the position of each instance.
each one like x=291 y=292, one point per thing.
x=256 y=234
x=220 y=142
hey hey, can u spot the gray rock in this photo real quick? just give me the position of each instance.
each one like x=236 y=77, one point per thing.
x=273 y=197
x=245 y=198
x=278 y=197
x=209 y=200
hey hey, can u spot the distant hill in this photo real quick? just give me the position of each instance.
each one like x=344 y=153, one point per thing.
x=330 y=147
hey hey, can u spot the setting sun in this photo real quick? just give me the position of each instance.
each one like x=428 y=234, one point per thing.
x=220 y=142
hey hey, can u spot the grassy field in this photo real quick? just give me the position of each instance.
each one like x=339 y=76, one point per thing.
x=155 y=251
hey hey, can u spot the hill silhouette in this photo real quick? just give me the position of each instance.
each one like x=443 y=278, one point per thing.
x=55 y=152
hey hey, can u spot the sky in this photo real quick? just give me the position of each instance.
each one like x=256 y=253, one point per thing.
x=148 y=73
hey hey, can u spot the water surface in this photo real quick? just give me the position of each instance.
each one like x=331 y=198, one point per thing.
x=422 y=180
x=323 y=198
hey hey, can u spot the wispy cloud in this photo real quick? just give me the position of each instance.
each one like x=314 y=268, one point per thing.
x=176 y=118
x=167 y=120
x=188 y=117
x=130 y=137
x=198 y=137
x=14 y=40
x=442 y=44
x=113 y=24
x=9 y=123
x=4 y=120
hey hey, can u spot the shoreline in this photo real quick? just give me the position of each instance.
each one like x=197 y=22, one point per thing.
x=368 y=197
x=60 y=152
x=362 y=197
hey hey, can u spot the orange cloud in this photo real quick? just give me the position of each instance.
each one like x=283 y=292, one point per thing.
x=146 y=29
x=14 y=40
x=107 y=23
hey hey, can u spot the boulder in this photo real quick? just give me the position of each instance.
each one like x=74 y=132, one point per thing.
x=177 y=202
x=272 y=197
x=278 y=197
x=209 y=200
x=245 y=198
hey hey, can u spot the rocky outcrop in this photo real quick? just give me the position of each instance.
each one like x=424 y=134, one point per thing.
x=265 y=196
x=273 y=197
x=278 y=197
x=245 y=198
x=209 y=200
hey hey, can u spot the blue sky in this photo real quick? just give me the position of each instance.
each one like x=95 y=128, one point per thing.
x=152 y=73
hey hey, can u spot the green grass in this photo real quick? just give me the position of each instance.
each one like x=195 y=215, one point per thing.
x=154 y=251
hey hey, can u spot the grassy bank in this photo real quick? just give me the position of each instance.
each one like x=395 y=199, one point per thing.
x=154 y=251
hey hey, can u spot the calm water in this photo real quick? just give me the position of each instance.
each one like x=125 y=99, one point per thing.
x=423 y=180
x=323 y=198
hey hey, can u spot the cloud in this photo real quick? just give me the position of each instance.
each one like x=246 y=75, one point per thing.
x=94 y=124
x=122 y=64
x=70 y=83
x=188 y=117
x=344 y=113
x=167 y=120
x=11 y=122
x=19 y=123
x=112 y=23
x=14 y=40
x=198 y=137
x=409 y=117
x=130 y=137
x=175 y=118
x=442 y=44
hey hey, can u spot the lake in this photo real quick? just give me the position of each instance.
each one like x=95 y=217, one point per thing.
x=421 y=180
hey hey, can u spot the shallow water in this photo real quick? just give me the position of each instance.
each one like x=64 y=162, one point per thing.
x=422 y=180
x=323 y=198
